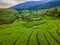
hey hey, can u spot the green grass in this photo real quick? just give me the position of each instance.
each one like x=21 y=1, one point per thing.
x=47 y=33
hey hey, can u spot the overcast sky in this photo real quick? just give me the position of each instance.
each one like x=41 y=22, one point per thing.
x=9 y=3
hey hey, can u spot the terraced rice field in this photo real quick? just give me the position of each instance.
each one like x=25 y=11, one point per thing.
x=45 y=34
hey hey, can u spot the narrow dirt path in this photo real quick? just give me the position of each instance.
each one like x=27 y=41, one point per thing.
x=29 y=38
x=18 y=39
x=58 y=30
x=46 y=38
x=38 y=39
x=54 y=38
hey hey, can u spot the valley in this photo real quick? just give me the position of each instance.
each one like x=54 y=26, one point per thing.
x=30 y=22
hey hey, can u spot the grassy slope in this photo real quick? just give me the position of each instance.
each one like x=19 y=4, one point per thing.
x=47 y=33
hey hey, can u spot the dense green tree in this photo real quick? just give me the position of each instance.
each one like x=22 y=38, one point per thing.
x=7 y=16
x=53 y=12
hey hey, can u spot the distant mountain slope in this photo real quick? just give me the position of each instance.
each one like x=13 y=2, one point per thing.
x=48 y=5
x=28 y=4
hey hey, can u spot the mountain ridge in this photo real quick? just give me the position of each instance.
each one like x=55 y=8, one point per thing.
x=28 y=4
x=46 y=5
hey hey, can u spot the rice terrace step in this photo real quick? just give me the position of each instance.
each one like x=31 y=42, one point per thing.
x=30 y=22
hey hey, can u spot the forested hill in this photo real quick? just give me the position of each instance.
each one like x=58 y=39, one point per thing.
x=48 y=5
x=8 y=16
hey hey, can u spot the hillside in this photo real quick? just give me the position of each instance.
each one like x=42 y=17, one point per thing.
x=37 y=5
x=46 y=5
x=28 y=4
x=7 y=16
x=40 y=27
x=48 y=32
